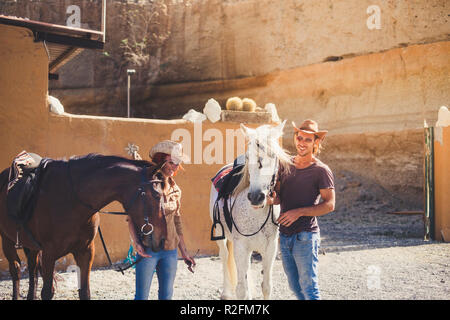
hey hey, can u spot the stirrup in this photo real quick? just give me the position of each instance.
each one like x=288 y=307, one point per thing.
x=215 y=238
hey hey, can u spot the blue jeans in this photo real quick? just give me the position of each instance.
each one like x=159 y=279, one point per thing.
x=300 y=257
x=165 y=264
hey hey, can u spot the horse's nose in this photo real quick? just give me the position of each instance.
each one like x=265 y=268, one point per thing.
x=256 y=198
x=261 y=197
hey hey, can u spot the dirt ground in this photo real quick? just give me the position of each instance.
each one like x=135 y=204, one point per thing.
x=365 y=254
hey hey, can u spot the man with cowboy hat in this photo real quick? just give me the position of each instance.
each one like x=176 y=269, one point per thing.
x=304 y=192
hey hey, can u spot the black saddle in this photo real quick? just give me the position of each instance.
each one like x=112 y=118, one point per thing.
x=225 y=181
x=23 y=186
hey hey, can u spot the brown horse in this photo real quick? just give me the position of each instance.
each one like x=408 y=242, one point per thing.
x=65 y=217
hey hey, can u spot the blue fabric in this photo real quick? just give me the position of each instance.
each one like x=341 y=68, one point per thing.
x=300 y=257
x=131 y=258
x=164 y=263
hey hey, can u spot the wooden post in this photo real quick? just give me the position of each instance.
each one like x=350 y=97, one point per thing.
x=429 y=183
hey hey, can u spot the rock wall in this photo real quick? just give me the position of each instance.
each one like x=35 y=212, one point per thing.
x=388 y=166
x=214 y=40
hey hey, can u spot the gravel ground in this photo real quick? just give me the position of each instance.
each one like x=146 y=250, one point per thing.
x=417 y=271
x=365 y=254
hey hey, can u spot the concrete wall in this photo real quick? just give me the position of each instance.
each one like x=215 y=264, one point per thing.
x=23 y=92
x=442 y=176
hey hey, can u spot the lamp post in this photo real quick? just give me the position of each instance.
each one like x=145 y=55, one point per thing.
x=129 y=73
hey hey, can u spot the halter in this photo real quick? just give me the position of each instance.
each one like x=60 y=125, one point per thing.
x=270 y=213
x=139 y=193
x=155 y=195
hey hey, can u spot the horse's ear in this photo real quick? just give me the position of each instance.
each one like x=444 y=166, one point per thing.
x=246 y=131
x=278 y=130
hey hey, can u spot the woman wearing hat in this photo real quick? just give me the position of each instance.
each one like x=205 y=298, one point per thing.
x=167 y=155
x=299 y=192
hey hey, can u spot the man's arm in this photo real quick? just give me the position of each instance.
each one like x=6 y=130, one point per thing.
x=328 y=197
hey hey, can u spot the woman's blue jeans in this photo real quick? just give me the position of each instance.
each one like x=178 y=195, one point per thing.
x=300 y=257
x=164 y=262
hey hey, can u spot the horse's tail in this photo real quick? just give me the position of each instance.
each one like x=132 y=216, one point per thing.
x=231 y=263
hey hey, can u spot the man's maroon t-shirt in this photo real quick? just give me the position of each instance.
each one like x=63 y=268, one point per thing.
x=301 y=188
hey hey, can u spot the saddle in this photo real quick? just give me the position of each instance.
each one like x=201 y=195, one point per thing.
x=225 y=181
x=25 y=176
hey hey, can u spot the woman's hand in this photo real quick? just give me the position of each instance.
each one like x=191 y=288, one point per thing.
x=141 y=250
x=190 y=263
x=137 y=244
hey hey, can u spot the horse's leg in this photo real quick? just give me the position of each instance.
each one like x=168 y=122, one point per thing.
x=84 y=259
x=268 y=260
x=48 y=267
x=32 y=258
x=10 y=253
x=232 y=266
x=225 y=256
x=242 y=256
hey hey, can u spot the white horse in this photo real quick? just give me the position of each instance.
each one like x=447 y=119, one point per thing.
x=254 y=227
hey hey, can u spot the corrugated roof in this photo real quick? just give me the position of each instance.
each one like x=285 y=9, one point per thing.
x=62 y=43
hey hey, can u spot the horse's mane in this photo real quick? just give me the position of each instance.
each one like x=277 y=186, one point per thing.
x=284 y=165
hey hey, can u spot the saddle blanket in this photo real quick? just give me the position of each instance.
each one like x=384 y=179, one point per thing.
x=226 y=180
x=219 y=177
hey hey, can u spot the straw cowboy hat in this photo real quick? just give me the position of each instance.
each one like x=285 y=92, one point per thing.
x=174 y=149
x=310 y=126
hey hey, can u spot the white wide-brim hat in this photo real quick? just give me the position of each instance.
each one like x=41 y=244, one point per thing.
x=172 y=148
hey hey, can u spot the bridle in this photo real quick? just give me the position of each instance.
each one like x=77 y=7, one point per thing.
x=140 y=193
x=272 y=185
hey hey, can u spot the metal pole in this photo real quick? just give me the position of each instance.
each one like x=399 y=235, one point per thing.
x=128 y=97
x=129 y=73
x=104 y=20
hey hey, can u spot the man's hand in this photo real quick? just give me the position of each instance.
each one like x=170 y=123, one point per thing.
x=289 y=217
x=273 y=198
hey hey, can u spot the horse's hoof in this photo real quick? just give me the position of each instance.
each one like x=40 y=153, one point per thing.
x=226 y=296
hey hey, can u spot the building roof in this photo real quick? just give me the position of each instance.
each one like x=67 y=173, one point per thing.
x=62 y=43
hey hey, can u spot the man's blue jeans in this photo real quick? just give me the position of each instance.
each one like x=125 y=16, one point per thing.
x=300 y=257
x=165 y=263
